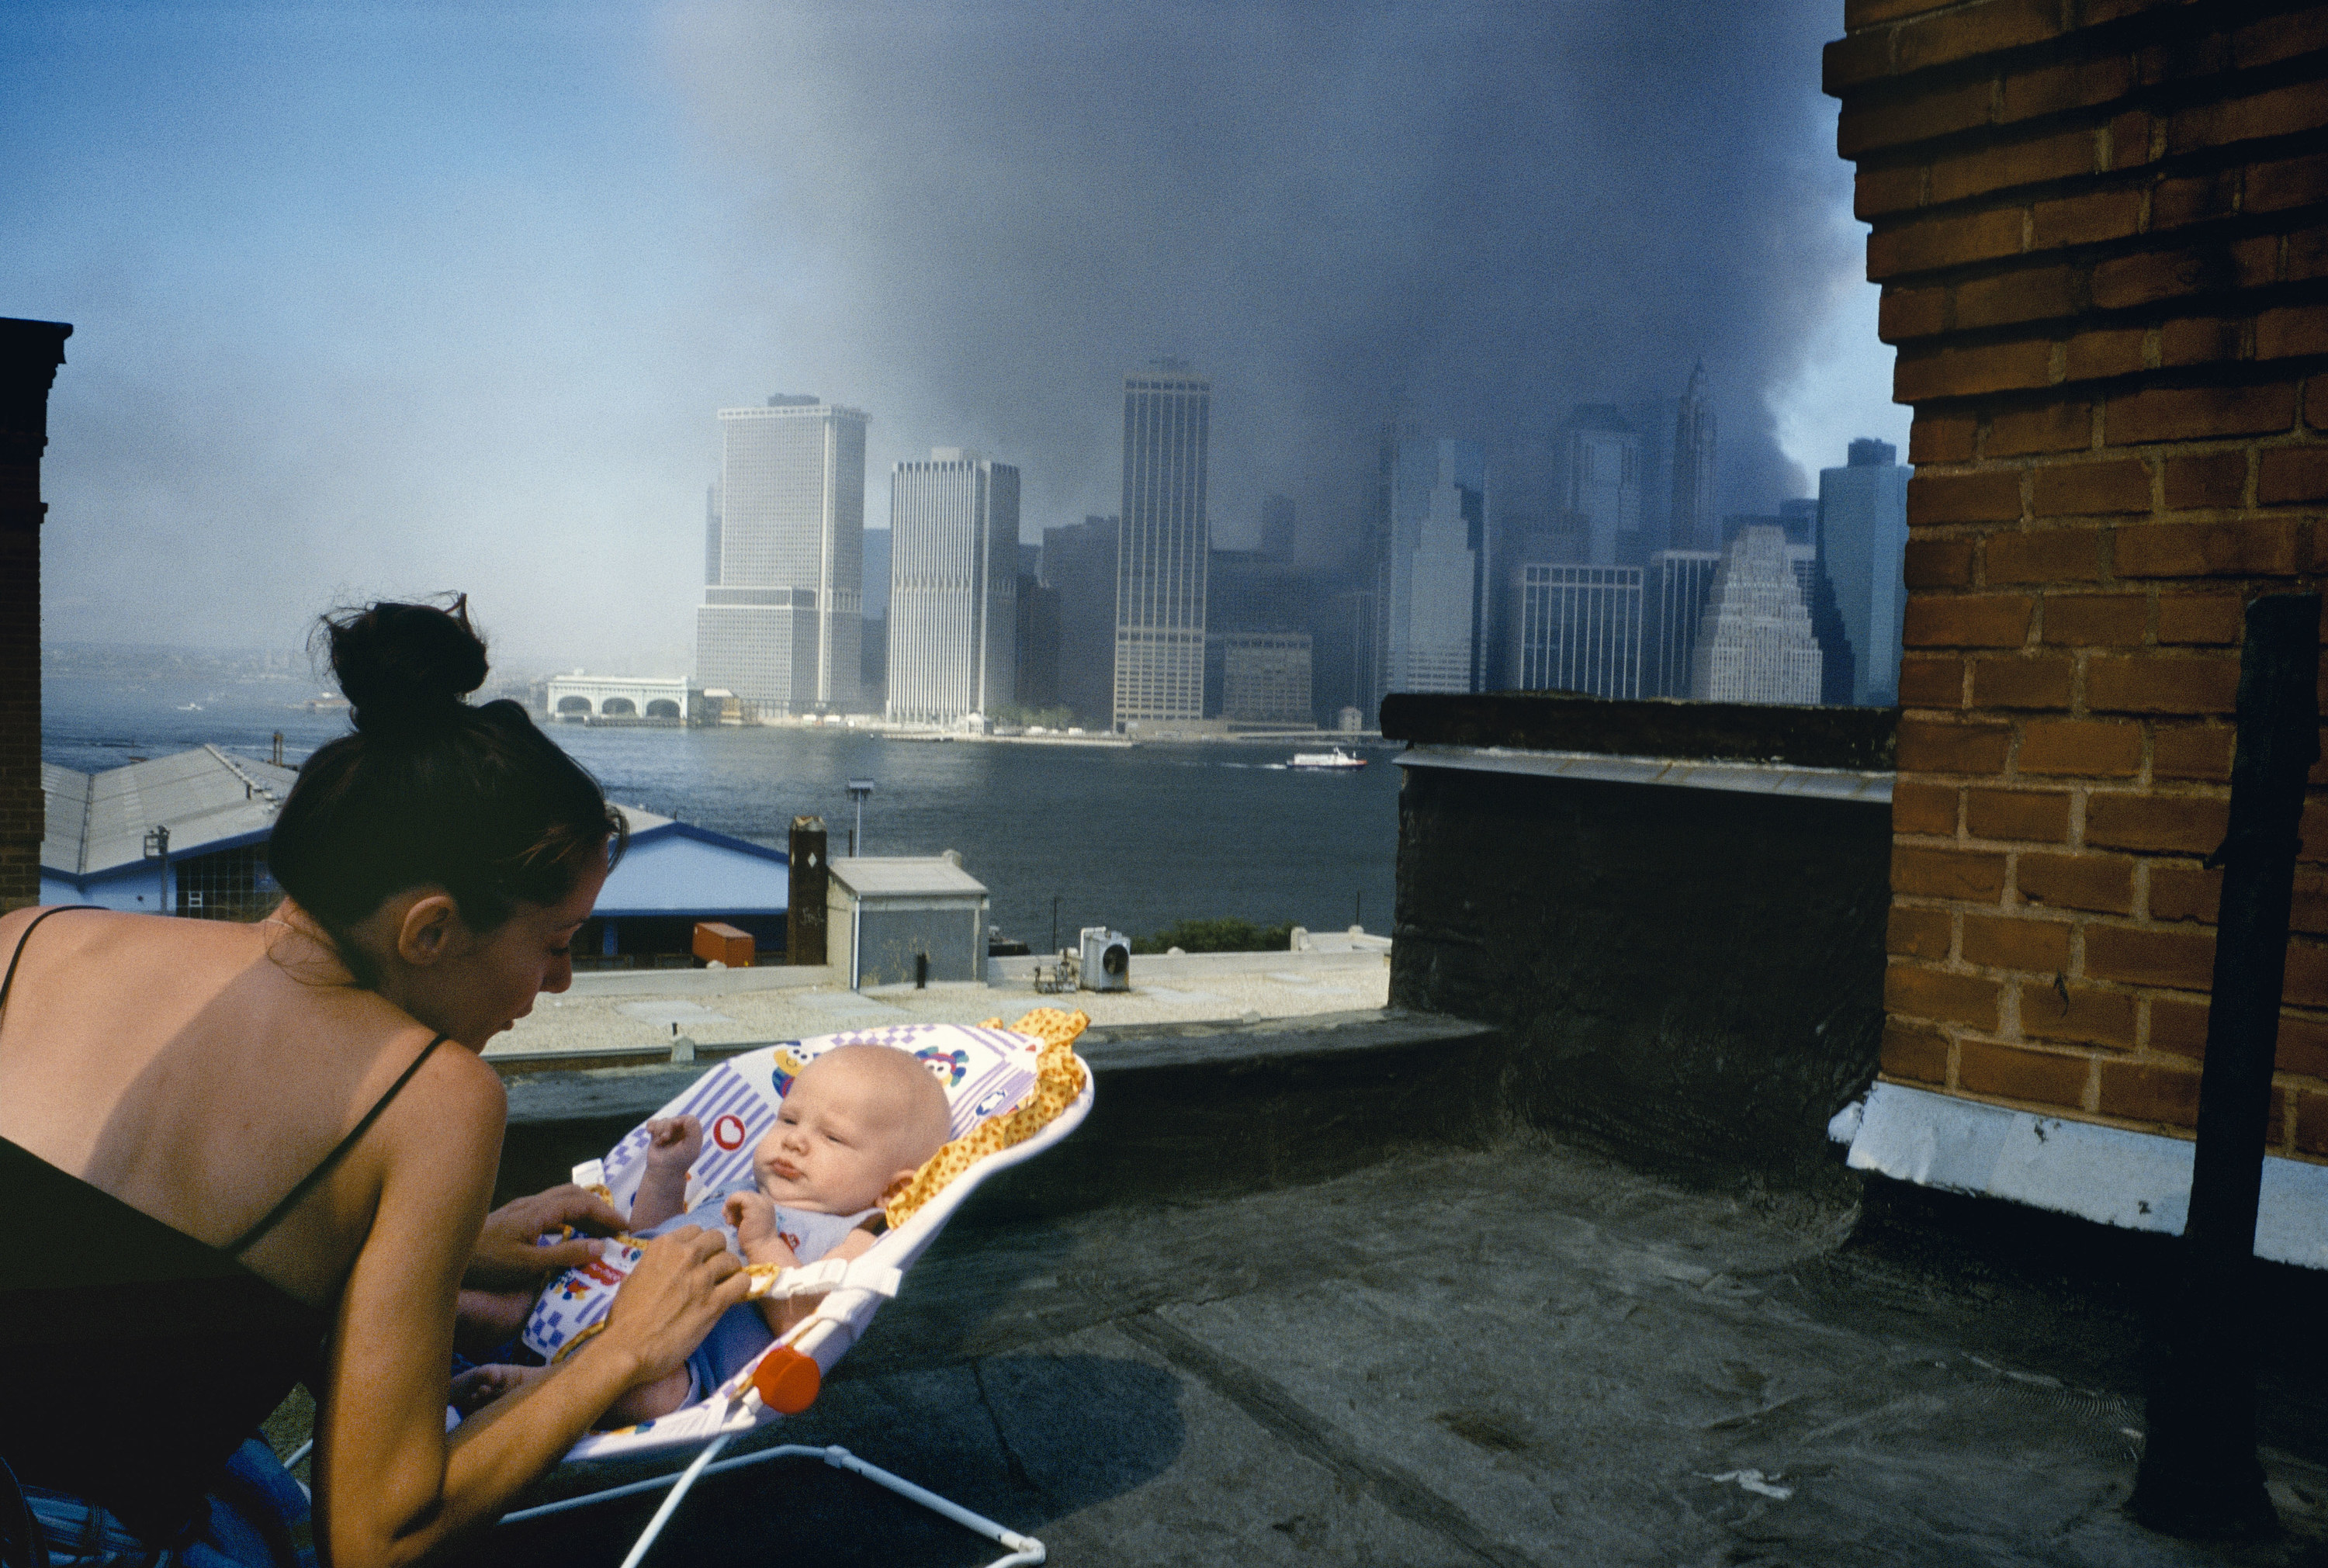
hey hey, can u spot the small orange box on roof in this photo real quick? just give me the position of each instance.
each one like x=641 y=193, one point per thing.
x=716 y=941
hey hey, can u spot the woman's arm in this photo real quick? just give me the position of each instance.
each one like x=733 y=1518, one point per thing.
x=391 y=1486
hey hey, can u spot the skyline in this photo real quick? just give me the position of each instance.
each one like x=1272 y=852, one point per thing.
x=379 y=302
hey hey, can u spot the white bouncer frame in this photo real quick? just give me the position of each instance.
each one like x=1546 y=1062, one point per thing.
x=854 y=1292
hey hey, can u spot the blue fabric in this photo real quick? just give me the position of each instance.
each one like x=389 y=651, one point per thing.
x=258 y=1518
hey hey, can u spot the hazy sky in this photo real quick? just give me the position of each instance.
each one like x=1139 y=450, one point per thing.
x=385 y=300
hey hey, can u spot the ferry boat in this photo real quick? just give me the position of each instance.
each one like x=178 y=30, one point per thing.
x=1336 y=758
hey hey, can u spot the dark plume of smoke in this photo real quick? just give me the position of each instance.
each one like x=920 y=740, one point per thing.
x=981 y=216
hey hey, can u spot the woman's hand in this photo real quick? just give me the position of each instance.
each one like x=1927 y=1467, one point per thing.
x=682 y=1283
x=507 y=1256
x=507 y=1266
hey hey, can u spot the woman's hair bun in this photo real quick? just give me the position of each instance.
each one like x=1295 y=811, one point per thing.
x=405 y=667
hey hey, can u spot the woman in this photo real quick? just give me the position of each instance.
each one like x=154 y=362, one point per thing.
x=251 y=1154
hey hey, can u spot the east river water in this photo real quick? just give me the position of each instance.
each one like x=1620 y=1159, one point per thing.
x=1133 y=839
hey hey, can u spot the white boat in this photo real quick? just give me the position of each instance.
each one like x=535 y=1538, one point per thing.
x=1336 y=758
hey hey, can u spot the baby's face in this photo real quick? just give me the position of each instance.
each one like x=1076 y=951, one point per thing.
x=835 y=1144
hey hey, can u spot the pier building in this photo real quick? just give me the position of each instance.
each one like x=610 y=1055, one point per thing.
x=628 y=698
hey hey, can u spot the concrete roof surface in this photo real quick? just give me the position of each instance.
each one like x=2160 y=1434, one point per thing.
x=98 y=822
x=903 y=876
x=1526 y=1355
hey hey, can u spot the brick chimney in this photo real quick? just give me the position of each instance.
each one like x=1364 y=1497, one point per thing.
x=2101 y=227
x=30 y=353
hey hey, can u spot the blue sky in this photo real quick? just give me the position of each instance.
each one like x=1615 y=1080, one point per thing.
x=390 y=300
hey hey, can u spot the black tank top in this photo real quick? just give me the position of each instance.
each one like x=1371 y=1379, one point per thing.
x=140 y=1357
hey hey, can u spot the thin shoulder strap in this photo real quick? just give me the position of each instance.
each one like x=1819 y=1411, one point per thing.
x=16 y=957
x=307 y=1183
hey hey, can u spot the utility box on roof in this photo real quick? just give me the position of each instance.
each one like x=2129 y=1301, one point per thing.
x=719 y=942
x=903 y=918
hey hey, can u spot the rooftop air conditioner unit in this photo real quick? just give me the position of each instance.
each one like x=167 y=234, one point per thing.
x=1107 y=959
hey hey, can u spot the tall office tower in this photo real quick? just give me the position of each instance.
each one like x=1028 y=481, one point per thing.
x=1345 y=660
x=1079 y=561
x=711 y=533
x=1580 y=630
x=1037 y=665
x=1600 y=485
x=1693 y=468
x=1862 y=529
x=1438 y=565
x=954 y=591
x=1265 y=677
x=1754 y=643
x=781 y=628
x=873 y=666
x=1277 y=528
x=1675 y=594
x=1161 y=559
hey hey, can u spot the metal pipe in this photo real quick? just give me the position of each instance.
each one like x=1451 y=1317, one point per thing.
x=686 y=1479
x=2200 y=1475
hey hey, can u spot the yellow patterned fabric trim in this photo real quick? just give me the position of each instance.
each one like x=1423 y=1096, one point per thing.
x=1058 y=1079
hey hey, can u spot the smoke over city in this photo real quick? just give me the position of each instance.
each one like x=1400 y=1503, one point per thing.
x=1484 y=213
x=397 y=300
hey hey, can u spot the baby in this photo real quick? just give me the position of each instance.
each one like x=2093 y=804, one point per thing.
x=857 y=1122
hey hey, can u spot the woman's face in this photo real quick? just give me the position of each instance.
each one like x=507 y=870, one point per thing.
x=485 y=984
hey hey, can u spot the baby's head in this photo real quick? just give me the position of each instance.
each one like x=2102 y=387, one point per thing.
x=856 y=1118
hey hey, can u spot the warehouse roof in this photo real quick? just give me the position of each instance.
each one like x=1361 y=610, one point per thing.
x=208 y=798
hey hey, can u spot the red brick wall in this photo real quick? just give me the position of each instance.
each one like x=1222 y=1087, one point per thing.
x=2101 y=227
x=30 y=351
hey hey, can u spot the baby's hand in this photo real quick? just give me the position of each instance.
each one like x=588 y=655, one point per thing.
x=754 y=1216
x=479 y=1387
x=673 y=1142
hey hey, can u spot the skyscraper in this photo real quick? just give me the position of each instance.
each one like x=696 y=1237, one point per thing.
x=1580 y=630
x=1438 y=563
x=1674 y=590
x=1600 y=485
x=1162 y=553
x=1862 y=526
x=781 y=625
x=953 y=587
x=711 y=534
x=1277 y=528
x=1755 y=643
x=1079 y=561
x=873 y=668
x=1693 y=468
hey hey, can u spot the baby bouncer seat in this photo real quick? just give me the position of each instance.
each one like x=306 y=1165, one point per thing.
x=1012 y=1092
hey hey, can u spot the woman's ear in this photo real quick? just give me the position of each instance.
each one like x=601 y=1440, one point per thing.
x=426 y=934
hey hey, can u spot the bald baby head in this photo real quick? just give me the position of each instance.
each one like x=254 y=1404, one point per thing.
x=855 y=1120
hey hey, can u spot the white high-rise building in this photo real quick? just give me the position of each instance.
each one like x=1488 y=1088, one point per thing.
x=781 y=623
x=1164 y=547
x=953 y=587
x=1435 y=574
x=1755 y=644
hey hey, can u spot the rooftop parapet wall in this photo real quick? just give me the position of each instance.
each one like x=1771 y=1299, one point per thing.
x=2101 y=227
x=1688 y=960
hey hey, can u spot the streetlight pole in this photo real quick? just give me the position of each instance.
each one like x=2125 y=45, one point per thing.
x=859 y=788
